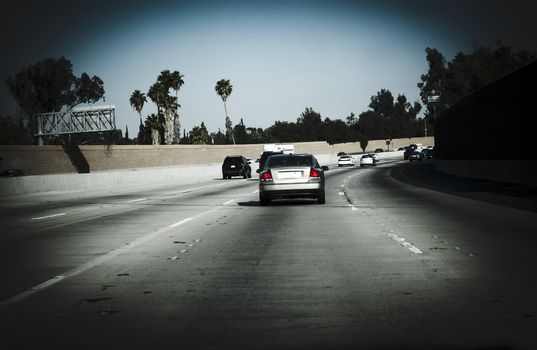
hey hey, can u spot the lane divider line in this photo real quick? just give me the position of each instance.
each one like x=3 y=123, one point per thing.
x=136 y=200
x=191 y=190
x=49 y=216
x=99 y=260
x=404 y=243
x=31 y=291
x=180 y=222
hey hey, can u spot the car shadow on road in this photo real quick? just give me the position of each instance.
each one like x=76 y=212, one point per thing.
x=280 y=203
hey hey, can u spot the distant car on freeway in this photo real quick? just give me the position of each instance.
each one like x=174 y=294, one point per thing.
x=264 y=158
x=345 y=160
x=236 y=166
x=378 y=150
x=368 y=159
x=291 y=176
x=426 y=153
x=409 y=149
x=414 y=155
x=339 y=154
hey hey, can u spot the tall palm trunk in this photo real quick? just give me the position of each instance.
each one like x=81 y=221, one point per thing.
x=230 y=129
x=155 y=136
x=176 y=122
x=169 y=128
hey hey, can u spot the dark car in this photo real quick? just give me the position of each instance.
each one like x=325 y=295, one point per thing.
x=291 y=176
x=426 y=153
x=264 y=158
x=414 y=155
x=236 y=166
x=339 y=154
x=378 y=150
x=408 y=150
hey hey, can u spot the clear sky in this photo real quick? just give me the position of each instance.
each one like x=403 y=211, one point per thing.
x=280 y=56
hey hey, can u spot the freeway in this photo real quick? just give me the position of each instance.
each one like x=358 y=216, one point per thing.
x=399 y=257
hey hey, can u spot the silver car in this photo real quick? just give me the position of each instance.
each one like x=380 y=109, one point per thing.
x=291 y=176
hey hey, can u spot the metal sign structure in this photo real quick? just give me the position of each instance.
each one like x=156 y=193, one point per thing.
x=79 y=120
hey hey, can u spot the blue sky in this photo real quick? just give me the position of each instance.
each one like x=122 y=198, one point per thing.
x=280 y=56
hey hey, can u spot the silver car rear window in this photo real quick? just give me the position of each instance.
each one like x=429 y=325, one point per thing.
x=289 y=161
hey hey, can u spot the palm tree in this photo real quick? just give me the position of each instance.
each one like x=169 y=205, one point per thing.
x=165 y=77
x=167 y=105
x=223 y=89
x=137 y=101
x=176 y=81
x=157 y=92
x=170 y=106
x=153 y=124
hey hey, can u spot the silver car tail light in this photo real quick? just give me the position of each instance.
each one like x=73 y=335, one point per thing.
x=315 y=175
x=266 y=176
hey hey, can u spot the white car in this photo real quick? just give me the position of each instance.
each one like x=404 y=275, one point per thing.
x=345 y=160
x=368 y=159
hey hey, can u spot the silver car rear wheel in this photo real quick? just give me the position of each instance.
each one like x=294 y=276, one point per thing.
x=263 y=200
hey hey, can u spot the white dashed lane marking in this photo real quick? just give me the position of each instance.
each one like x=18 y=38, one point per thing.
x=405 y=244
x=136 y=200
x=49 y=216
x=101 y=259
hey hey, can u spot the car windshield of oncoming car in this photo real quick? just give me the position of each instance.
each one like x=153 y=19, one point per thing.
x=289 y=161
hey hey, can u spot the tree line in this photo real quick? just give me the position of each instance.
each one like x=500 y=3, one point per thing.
x=51 y=86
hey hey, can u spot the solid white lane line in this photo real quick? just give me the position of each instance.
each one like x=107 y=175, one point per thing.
x=202 y=188
x=255 y=191
x=228 y=202
x=180 y=222
x=31 y=291
x=99 y=260
x=136 y=200
x=191 y=190
x=49 y=216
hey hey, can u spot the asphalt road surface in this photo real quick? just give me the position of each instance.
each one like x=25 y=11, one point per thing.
x=399 y=257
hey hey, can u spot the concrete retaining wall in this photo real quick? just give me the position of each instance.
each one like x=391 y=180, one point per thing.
x=42 y=160
x=102 y=180
x=11 y=186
